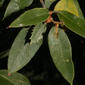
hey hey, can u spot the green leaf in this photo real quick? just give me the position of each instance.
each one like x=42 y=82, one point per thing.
x=31 y=17
x=1 y=2
x=16 y=5
x=4 y=54
x=67 y=5
x=60 y=50
x=72 y=22
x=4 y=81
x=13 y=79
x=16 y=49
x=48 y=3
x=22 y=53
x=79 y=9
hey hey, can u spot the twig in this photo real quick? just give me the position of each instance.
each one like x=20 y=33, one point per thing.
x=57 y=22
x=43 y=4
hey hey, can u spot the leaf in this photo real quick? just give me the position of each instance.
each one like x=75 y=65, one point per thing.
x=16 y=5
x=60 y=50
x=67 y=5
x=22 y=53
x=13 y=79
x=3 y=81
x=79 y=9
x=31 y=17
x=16 y=48
x=72 y=22
x=1 y=2
x=4 y=54
x=48 y=3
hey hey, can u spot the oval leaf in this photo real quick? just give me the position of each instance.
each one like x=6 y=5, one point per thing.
x=17 y=47
x=13 y=79
x=31 y=17
x=67 y=5
x=73 y=22
x=60 y=50
x=21 y=54
x=16 y=5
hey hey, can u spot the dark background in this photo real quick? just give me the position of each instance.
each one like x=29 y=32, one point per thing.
x=41 y=69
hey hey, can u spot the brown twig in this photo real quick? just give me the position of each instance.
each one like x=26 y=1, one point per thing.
x=43 y=4
x=57 y=22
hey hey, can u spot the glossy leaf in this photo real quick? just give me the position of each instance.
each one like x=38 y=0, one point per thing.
x=72 y=22
x=31 y=17
x=13 y=79
x=67 y=5
x=48 y=3
x=60 y=50
x=16 y=5
x=22 y=53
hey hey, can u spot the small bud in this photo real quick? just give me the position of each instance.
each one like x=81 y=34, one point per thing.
x=9 y=74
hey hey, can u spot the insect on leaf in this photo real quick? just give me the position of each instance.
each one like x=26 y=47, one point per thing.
x=21 y=53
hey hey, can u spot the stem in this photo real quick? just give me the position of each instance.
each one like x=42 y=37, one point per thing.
x=57 y=22
x=42 y=2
